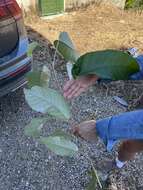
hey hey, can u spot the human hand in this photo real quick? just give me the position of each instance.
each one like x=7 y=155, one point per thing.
x=74 y=88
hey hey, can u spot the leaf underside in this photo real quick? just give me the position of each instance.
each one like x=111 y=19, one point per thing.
x=60 y=145
x=67 y=52
x=33 y=129
x=65 y=38
x=46 y=100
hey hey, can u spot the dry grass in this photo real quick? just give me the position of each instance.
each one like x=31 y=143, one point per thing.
x=94 y=28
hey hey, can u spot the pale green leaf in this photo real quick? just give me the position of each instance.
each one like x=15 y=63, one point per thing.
x=92 y=185
x=38 y=78
x=60 y=145
x=61 y=133
x=46 y=100
x=67 y=52
x=31 y=48
x=33 y=129
x=107 y=64
x=65 y=38
x=94 y=181
x=34 y=78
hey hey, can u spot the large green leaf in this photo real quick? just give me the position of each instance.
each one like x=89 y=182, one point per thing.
x=31 y=48
x=61 y=133
x=65 y=38
x=38 y=78
x=60 y=145
x=33 y=129
x=46 y=100
x=67 y=52
x=108 y=64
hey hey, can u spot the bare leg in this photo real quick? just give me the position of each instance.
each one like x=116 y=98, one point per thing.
x=129 y=148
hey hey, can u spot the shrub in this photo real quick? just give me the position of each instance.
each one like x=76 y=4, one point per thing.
x=136 y=4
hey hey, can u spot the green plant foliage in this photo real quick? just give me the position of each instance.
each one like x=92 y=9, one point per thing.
x=137 y=4
x=107 y=64
x=38 y=78
x=46 y=100
x=33 y=129
x=60 y=145
x=59 y=132
x=65 y=38
x=92 y=185
x=67 y=52
x=94 y=181
x=34 y=78
x=31 y=48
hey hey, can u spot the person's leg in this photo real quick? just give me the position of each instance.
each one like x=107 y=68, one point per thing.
x=128 y=149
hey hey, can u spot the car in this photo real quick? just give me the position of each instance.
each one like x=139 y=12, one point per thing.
x=14 y=62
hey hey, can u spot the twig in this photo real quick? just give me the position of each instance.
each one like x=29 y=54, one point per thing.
x=94 y=170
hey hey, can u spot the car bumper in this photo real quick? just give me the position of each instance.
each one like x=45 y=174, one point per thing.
x=15 y=80
x=13 y=86
x=12 y=72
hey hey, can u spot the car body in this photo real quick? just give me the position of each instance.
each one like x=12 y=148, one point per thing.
x=14 y=62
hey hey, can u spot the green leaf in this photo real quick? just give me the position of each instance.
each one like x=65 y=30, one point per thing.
x=33 y=129
x=92 y=185
x=31 y=48
x=34 y=78
x=107 y=64
x=61 y=133
x=38 y=78
x=60 y=145
x=94 y=181
x=65 y=38
x=46 y=100
x=67 y=52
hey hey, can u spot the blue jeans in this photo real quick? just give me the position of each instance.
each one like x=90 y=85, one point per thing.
x=121 y=127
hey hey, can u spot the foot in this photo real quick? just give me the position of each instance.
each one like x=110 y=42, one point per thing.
x=86 y=130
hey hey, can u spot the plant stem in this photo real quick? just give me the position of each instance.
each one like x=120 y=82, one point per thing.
x=53 y=67
x=94 y=170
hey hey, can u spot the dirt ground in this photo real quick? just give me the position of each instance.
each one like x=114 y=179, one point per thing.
x=94 y=28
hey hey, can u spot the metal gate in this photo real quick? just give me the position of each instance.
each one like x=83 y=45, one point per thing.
x=51 y=7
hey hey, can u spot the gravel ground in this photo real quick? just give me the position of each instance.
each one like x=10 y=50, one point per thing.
x=27 y=165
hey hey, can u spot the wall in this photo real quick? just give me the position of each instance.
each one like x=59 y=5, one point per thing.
x=78 y=3
x=27 y=4
x=118 y=3
x=69 y=4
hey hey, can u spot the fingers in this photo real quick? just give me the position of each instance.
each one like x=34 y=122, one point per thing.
x=68 y=85
x=71 y=89
x=81 y=90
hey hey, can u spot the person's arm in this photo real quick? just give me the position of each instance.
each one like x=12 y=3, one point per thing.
x=74 y=88
x=120 y=127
